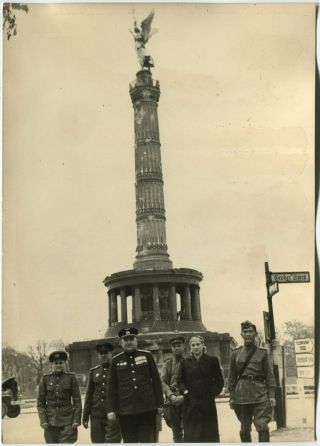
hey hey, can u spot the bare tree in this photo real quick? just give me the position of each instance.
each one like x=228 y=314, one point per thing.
x=9 y=24
x=39 y=356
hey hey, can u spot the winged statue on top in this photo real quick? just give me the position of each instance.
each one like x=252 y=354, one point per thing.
x=141 y=36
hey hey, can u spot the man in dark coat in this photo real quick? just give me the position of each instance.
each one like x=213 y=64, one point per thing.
x=252 y=388
x=101 y=430
x=59 y=402
x=173 y=399
x=134 y=391
x=200 y=380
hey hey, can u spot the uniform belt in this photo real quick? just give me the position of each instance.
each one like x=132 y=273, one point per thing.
x=253 y=378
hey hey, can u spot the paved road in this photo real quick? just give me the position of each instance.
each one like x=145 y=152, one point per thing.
x=26 y=429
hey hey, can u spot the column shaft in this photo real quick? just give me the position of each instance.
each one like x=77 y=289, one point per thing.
x=156 y=305
x=113 y=317
x=187 y=303
x=137 y=312
x=173 y=302
x=195 y=304
x=124 y=316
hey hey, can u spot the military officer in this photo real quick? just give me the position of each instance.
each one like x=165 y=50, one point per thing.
x=252 y=385
x=173 y=399
x=101 y=430
x=59 y=402
x=134 y=391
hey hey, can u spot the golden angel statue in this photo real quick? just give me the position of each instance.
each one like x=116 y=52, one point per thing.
x=141 y=36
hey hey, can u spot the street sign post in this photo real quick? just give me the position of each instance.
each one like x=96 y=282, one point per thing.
x=272 y=281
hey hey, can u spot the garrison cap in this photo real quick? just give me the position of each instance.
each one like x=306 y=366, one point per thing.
x=129 y=331
x=104 y=347
x=247 y=324
x=177 y=339
x=58 y=355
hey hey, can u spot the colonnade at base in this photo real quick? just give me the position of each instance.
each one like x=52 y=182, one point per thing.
x=155 y=302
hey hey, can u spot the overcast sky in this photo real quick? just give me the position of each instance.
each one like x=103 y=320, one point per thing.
x=236 y=117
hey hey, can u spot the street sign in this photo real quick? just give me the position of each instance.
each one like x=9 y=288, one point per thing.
x=304 y=360
x=305 y=372
x=273 y=288
x=304 y=345
x=298 y=277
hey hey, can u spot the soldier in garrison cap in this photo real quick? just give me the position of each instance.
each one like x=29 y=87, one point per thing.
x=134 y=391
x=101 y=429
x=173 y=400
x=252 y=385
x=59 y=402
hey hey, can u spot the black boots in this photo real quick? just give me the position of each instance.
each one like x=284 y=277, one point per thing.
x=264 y=437
x=245 y=437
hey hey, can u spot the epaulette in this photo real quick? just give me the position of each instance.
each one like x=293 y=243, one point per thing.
x=237 y=348
x=143 y=351
x=95 y=367
x=48 y=374
x=70 y=373
x=116 y=356
x=262 y=348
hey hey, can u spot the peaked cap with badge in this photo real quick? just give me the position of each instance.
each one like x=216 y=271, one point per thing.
x=128 y=331
x=104 y=347
x=177 y=340
x=58 y=355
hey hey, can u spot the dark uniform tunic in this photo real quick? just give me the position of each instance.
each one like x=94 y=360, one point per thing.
x=172 y=414
x=134 y=393
x=59 y=405
x=204 y=381
x=252 y=391
x=101 y=430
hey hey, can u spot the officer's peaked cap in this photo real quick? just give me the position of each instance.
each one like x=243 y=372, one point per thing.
x=129 y=331
x=58 y=355
x=104 y=347
x=247 y=324
x=177 y=339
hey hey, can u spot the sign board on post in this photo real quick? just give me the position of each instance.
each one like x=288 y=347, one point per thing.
x=305 y=372
x=273 y=288
x=304 y=360
x=304 y=345
x=298 y=277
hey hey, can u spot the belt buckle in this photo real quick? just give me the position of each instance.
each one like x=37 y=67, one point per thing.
x=250 y=377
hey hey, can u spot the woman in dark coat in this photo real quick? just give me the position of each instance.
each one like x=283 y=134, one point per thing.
x=200 y=381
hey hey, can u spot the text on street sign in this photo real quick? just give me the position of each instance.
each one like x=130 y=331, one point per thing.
x=290 y=277
x=305 y=360
x=305 y=372
x=304 y=345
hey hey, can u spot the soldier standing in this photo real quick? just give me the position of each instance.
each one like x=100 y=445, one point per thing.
x=101 y=429
x=173 y=399
x=59 y=402
x=252 y=385
x=134 y=391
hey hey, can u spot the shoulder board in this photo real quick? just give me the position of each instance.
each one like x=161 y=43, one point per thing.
x=70 y=373
x=117 y=356
x=237 y=348
x=143 y=351
x=263 y=348
x=47 y=374
x=95 y=367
